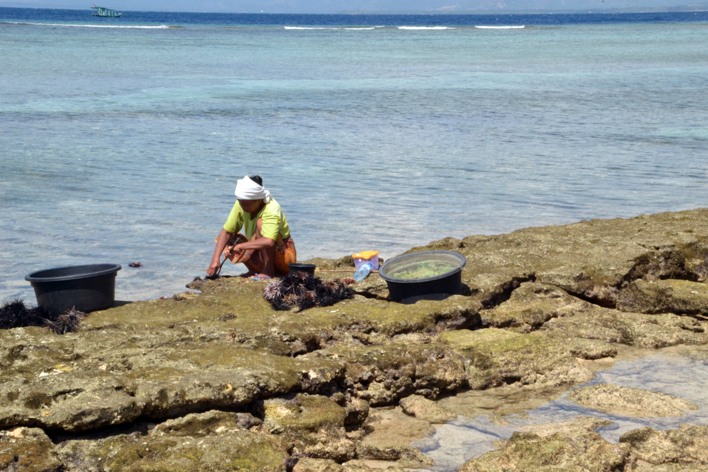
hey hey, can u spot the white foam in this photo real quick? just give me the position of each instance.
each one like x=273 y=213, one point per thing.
x=331 y=28
x=424 y=27
x=500 y=27
x=306 y=28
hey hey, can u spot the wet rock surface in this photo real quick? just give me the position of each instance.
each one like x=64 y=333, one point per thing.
x=628 y=401
x=221 y=381
x=577 y=446
x=683 y=449
x=568 y=447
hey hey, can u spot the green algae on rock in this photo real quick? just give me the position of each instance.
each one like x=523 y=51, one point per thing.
x=211 y=441
x=681 y=297
x=496 y=357
x=28 y=449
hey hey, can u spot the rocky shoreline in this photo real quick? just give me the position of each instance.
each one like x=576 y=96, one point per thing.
x=219 y=380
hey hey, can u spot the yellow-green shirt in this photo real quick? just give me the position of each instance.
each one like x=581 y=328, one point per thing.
x=274 y=222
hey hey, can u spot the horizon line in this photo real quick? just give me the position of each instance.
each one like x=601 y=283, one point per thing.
x=703 y=7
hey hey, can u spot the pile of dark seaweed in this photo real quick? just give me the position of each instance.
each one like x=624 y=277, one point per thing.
x=303 y=290
x=15 y=314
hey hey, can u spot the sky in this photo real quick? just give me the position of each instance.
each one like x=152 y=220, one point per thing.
x=351 y=6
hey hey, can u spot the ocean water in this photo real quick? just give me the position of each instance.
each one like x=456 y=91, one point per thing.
x=122 y=139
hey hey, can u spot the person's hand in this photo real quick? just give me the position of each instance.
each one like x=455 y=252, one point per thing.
x=211 y=270
x=231 y=251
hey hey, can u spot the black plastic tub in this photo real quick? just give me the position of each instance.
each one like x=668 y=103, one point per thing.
x=85 y=287
x=307 y=268
x=447 y=281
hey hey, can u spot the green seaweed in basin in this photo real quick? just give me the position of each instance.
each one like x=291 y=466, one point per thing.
x=423 y=269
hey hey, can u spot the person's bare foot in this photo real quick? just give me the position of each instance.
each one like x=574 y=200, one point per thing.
x=259 y=277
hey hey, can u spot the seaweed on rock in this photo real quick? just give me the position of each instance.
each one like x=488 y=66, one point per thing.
x=305 y=291
x=66 y=322
x=15 y=314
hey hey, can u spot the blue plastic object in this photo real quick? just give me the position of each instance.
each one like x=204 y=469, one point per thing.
x=362 y=272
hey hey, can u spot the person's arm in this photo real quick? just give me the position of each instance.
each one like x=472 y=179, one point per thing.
x=221 y=242
x=259 y=243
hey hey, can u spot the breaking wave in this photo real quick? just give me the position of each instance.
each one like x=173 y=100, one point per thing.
x=333 y=28
x=425 y=27
x=500 y=26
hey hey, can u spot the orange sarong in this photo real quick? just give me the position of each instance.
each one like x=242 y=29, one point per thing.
x=285 y=254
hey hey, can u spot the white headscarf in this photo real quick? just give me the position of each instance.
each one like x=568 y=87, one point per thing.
x=247 y=189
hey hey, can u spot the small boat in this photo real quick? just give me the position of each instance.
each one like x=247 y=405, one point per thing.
x=105 y=12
